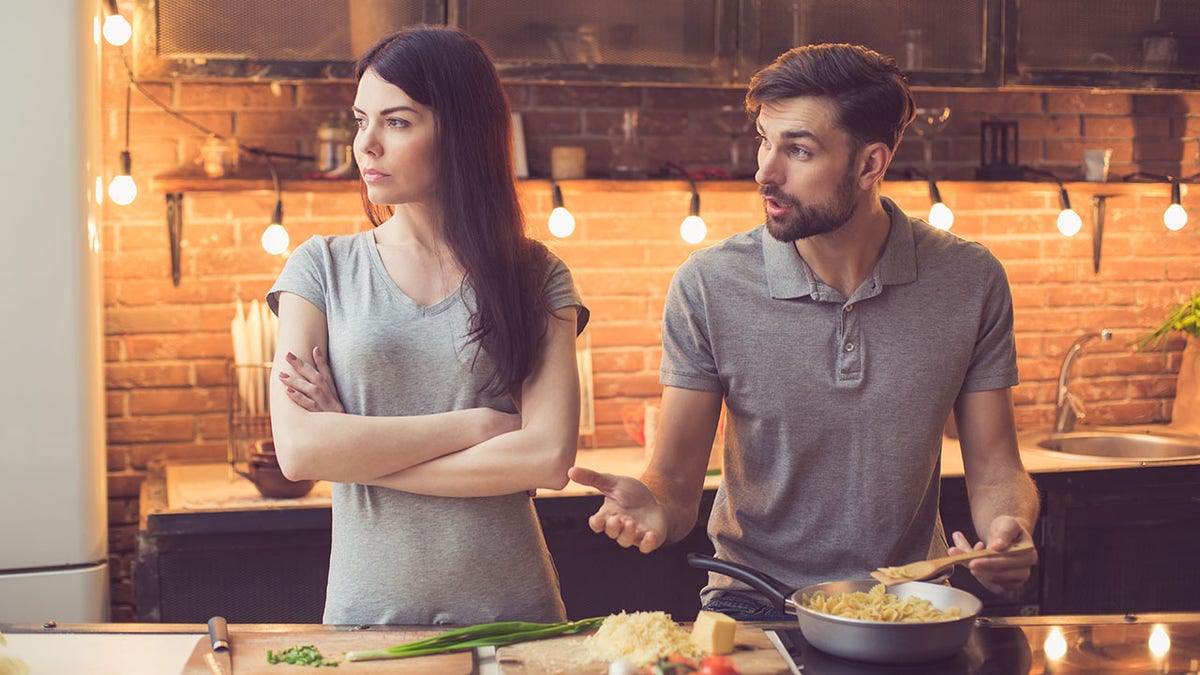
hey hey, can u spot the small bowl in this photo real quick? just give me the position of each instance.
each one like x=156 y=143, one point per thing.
x=271 y=482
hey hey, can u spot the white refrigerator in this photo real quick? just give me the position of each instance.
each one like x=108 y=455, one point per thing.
x=53 y=497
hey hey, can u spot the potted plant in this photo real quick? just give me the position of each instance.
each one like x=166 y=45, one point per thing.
x=1185 y=410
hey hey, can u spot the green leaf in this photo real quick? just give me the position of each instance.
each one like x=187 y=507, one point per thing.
x=1184 y=319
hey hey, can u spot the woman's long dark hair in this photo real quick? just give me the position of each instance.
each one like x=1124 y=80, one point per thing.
x=448 y=71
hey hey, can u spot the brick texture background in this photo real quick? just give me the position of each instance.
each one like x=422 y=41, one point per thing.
x=167 y=347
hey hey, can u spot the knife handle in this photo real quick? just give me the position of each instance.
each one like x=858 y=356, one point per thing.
x=218 y=632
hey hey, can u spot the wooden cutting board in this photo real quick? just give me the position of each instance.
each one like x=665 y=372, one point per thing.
x=753 y=654
x=249 y=652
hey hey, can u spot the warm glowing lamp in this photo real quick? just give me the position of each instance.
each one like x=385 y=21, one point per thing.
x=122 y=190
x=116 y=30
x=693 y=229
x=275 y=238
x=562 y=223
x=1175 y=217
x=940 y=215
x=1069 y=222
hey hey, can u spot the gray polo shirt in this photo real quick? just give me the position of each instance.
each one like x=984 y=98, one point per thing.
x=835 y=405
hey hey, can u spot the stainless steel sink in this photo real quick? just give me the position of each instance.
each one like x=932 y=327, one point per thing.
x=1129 y=445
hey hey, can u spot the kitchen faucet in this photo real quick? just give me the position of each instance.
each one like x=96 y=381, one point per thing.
x=1069 y=410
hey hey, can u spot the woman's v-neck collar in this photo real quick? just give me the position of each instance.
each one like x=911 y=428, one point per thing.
x=367 y=239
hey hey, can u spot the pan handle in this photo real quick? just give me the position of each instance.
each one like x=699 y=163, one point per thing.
x=775 y=590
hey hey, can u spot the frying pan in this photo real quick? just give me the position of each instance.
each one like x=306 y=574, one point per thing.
x=859 y=639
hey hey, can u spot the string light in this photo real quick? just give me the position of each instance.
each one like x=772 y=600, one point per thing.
x=275 y=238
x=1069 y=222
x=122 y=190
x=562 y=223
x=940 y=215
x=1175 y=217
x=116 y=29
x=693 y=229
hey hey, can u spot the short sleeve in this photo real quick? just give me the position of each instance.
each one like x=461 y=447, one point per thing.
x=304 y=274
x=687 y=359
x=561 y=292
x=994 y=361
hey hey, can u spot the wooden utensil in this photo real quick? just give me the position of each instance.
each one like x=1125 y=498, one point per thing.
x=927 y=569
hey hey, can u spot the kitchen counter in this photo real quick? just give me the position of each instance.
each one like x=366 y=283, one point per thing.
x=1162 y=643
x=215 y=487
x=1110 y=536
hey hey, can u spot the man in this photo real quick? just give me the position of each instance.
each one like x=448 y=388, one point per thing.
x=840 y=335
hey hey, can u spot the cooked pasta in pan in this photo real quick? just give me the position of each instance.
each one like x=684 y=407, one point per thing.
x=878 y=605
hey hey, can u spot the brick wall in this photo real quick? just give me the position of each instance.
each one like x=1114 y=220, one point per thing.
x=167 y=347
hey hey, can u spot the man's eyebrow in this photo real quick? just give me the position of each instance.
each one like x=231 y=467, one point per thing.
x=803 y=133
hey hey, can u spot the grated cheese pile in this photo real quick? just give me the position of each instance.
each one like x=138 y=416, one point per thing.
x=641 y=637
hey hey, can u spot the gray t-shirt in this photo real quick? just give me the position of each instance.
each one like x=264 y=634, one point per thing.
x=398 y=557
x=835 y=405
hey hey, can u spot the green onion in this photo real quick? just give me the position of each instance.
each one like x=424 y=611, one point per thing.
x=480 y=635
x=305 y=655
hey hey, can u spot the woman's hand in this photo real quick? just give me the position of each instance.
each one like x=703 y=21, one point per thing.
x=311 y=386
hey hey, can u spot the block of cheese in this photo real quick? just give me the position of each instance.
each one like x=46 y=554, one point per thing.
x=713 y=632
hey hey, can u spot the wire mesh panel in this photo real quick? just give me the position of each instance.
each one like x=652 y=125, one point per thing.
x=1140 y=35
x=629 y=32
x=249 y=411
x=922 y=35
x=316 y=30
x=266 y=38
x=692 y=40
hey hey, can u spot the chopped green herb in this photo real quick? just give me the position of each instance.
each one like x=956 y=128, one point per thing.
x=305 y=655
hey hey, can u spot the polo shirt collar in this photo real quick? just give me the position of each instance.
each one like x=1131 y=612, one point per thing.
x=788 y=276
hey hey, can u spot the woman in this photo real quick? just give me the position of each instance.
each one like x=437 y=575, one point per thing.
x=450 y=342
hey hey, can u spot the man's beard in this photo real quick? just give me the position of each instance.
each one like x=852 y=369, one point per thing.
x=808 y=221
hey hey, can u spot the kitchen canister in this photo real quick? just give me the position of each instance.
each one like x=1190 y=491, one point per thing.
x=568 y=162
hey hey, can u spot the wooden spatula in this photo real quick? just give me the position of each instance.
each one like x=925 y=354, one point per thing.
x=927 y=569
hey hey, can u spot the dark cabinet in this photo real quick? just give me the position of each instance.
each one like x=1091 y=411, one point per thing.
x=1153 y=44
x=936 y=43
x=1122 y=541
x=675 y=42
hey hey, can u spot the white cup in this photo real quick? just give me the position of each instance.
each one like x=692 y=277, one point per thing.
x=568 y=162
x=1095 y=164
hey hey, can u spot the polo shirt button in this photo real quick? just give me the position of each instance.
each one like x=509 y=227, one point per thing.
x=849 y=346
x=848 y=308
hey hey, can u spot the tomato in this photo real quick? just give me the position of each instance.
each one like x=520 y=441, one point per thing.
x=717 y=665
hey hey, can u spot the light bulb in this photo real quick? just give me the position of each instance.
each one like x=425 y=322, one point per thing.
x=117 y=30
x=1160 y=641
x=122 y=190
x=1069 y=222
x=940 y=216
x=693 y=230
x=1175 y=217
x=1055 y=645
x=275 y=239
x=562 y=223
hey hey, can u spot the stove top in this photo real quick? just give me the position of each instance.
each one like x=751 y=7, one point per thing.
x=1165 y=644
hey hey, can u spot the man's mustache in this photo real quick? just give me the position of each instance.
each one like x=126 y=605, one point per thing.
x=774 y=192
